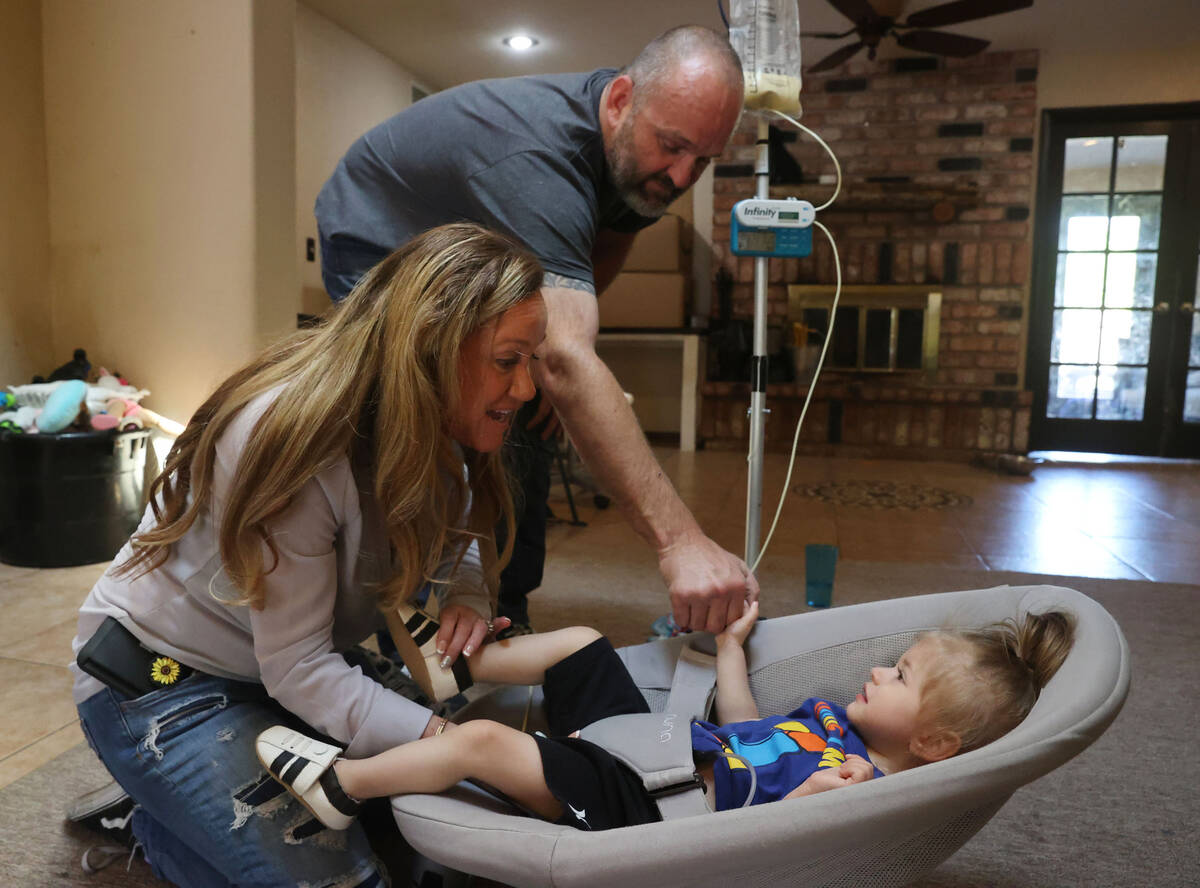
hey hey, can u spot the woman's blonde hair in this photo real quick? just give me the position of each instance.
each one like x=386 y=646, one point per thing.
x=381 y=375
x=987 y=680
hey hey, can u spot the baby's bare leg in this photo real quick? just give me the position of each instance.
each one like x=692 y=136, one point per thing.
x=496 y=754
x=525 y=658
x=500 y=756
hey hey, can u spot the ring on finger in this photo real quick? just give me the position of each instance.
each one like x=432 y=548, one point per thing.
x=490 y=627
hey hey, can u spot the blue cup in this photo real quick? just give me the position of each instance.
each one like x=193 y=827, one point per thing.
x=819 y=564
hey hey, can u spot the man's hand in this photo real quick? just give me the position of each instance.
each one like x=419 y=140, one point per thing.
x=737 y=631
x=709 y=587
x=855 y=769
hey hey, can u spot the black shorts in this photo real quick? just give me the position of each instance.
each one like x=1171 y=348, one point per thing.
x=596 y=791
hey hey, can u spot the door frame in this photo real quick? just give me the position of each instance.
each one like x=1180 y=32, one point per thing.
x=1164 y=391
x=1182 y=439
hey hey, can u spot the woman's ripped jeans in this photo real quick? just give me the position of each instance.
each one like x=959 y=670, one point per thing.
x=209 y=815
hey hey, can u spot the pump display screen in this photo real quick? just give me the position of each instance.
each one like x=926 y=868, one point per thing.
x=757 y=241
x=779 y=228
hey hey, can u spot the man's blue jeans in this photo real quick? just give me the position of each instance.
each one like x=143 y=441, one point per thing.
x=209 y=813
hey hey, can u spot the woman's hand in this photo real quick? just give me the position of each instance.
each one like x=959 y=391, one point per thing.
x=462 y=631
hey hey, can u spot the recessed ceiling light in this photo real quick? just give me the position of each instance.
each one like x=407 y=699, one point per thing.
x=520 y=42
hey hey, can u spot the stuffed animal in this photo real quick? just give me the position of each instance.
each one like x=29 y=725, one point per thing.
x=119 y=413
x=65 y=405
x=23 y=419
x=26 y=418
x=76 y=368
x=103 y=422
x=126 y=414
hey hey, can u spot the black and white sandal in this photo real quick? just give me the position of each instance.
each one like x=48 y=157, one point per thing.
x=305 y=768
x=415 y=635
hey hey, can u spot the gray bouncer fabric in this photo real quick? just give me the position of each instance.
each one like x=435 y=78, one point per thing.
x=880 y=833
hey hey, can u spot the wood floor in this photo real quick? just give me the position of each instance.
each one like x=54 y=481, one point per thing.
x=1135 y=520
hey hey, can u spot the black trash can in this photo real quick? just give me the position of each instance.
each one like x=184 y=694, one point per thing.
x=70 y=498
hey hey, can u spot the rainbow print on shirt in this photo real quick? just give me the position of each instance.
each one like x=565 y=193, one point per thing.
x=791 y=737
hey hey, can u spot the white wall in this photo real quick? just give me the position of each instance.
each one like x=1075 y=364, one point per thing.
x=1084 y=80
x=26 y=342
x=343 y=88
x=169 y=131
x=273 y=124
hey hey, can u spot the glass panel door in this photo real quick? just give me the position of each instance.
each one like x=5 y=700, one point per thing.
x=1116 y=227
x=1106 y=264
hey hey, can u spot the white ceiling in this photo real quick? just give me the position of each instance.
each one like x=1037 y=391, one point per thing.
x=444 y=42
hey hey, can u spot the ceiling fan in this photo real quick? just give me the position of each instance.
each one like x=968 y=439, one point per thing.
x=912 y=33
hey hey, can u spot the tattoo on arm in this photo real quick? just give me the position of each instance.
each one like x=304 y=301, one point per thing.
x=567 y=283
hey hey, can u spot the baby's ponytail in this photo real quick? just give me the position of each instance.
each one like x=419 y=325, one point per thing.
x=988 y=679
x=1040 y=642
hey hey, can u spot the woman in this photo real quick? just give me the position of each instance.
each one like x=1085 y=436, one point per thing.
x=334 y=476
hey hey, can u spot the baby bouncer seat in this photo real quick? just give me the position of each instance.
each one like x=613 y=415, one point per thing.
x=879 y=833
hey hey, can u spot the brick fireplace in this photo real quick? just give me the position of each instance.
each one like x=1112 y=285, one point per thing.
x=938 y=165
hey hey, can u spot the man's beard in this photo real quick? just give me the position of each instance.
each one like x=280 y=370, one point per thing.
x=628 y=179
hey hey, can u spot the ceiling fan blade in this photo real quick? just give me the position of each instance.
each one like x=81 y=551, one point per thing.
x=857 y=11
x=827 y=35
x=963 y=11
x=836 y=57
x=942 y=43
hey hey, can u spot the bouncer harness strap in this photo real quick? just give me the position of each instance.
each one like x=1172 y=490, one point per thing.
x=657 y=746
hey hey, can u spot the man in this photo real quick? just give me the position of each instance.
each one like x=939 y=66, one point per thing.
x=573 y=165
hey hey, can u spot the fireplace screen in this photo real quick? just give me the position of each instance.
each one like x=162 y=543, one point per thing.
x=880 y=329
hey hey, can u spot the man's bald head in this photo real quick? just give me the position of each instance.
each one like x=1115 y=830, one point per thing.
x=688 y=47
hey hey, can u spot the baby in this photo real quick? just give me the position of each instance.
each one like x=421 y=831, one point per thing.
x=951 y=692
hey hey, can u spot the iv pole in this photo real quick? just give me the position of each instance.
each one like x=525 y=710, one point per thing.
x=758 y=367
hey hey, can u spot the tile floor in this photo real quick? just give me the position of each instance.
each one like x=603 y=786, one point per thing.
x=1137 y=520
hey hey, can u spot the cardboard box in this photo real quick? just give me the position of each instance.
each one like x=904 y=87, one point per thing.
x=644 y=299
x=657 y=247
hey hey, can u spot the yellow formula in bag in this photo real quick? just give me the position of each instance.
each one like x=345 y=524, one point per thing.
x=778 y=92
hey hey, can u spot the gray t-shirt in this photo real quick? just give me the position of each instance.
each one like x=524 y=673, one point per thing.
x=520 y=155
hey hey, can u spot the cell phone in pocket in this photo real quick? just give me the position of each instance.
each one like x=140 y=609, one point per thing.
x=115 y=656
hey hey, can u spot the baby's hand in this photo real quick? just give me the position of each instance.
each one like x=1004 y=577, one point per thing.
x=855 y=769
x=740 y=628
